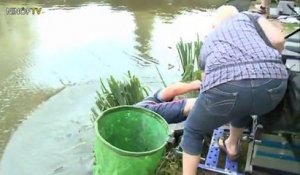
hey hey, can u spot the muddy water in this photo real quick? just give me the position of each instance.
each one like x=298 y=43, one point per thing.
x=76 y=42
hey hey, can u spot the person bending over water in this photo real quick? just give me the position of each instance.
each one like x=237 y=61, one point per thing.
x=243 y=76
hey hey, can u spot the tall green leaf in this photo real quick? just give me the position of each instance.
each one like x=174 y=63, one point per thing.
x=115 y=92
x=189 y=59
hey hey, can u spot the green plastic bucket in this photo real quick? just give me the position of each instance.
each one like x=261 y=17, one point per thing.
x=130 y=141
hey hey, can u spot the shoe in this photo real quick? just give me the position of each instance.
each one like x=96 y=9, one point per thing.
x=224 y=149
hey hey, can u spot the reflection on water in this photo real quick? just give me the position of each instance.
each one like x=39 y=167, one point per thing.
x=144 y=26
x=77 y=41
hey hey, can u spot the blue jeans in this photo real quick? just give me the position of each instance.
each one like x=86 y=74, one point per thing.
x=231 y=102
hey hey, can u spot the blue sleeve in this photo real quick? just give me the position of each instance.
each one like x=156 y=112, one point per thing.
x=157 y=95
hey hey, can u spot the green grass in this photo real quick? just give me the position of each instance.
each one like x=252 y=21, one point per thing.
x=290 y=27
x=170 y=165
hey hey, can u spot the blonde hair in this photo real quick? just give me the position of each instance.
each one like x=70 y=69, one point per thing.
x=224 y=12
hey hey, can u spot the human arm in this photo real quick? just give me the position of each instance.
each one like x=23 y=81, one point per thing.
x=273 y=33
x=170 y=92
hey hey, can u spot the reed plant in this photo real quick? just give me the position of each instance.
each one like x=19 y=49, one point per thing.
x=189 y=59
x=115 y=93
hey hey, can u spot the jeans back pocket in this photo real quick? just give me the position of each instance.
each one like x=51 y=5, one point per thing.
x=220 y=102
x=276 y=93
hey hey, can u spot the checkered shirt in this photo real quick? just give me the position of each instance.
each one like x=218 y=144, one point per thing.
x=235 y=51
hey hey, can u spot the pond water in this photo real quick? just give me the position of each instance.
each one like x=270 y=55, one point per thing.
x=76 y=42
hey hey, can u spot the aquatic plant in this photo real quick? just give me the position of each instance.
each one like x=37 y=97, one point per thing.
x=116 y=93
x=189 y=59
